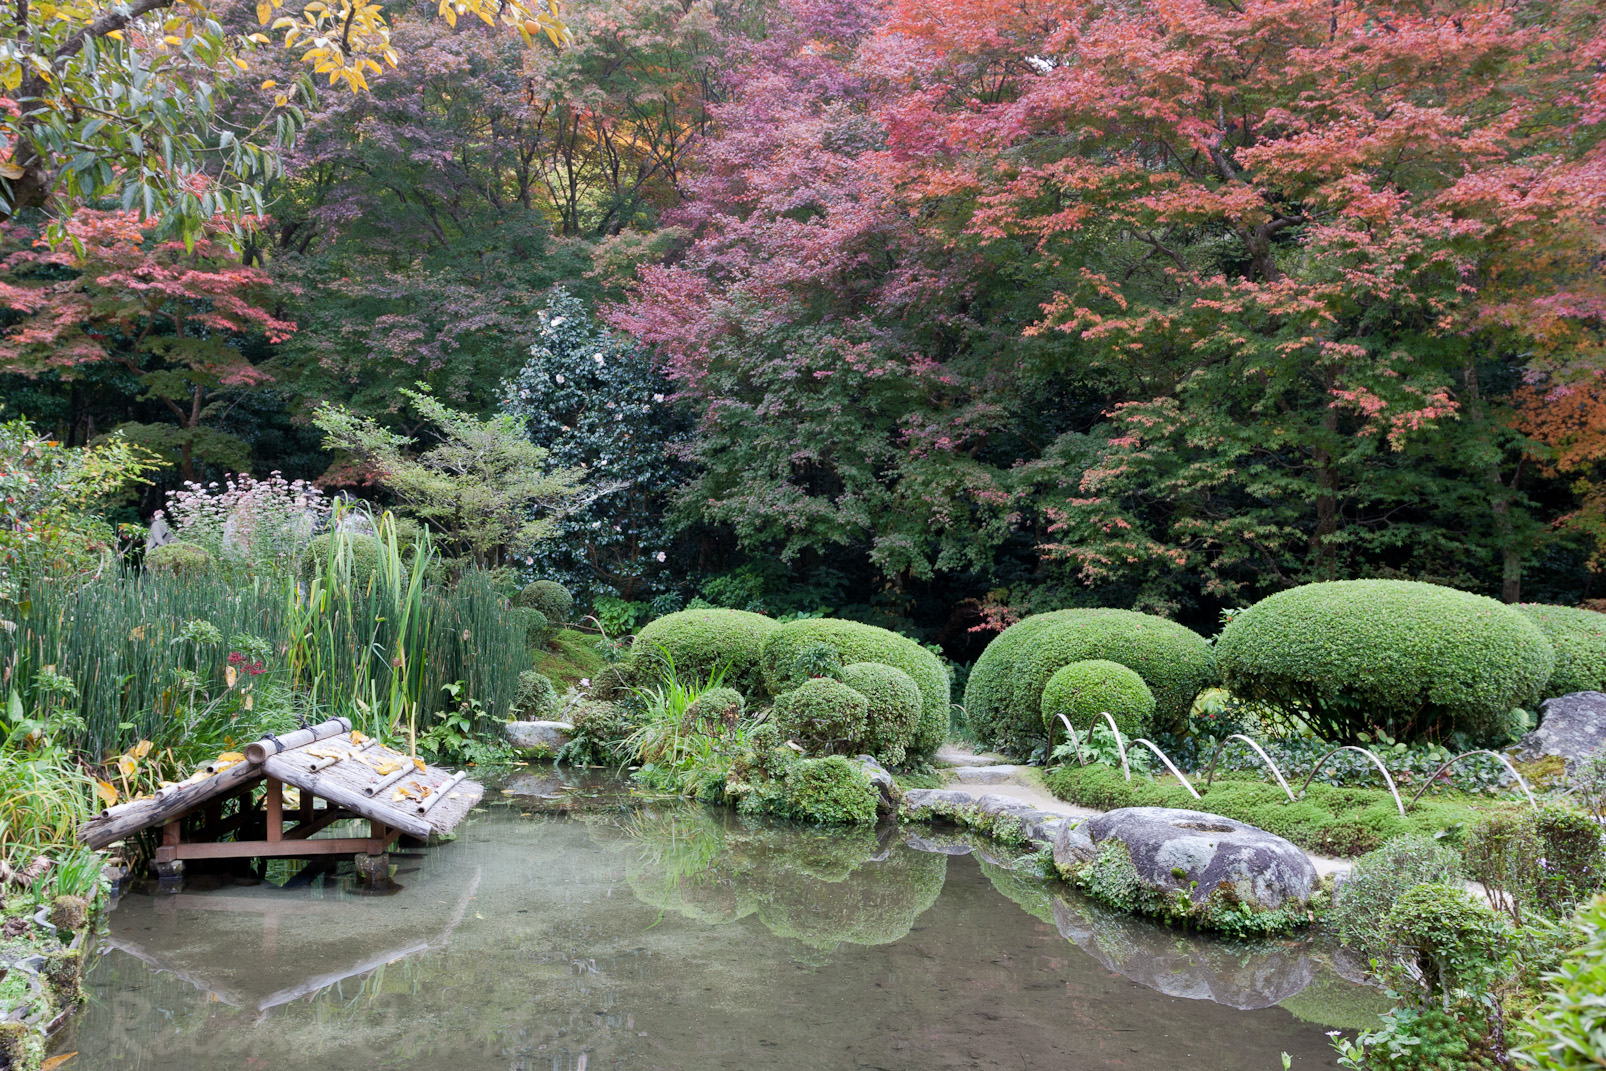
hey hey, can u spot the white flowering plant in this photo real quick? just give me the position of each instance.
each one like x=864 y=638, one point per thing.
x=249 y=521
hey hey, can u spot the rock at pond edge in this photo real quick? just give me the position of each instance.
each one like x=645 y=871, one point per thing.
x=540 y=739
x=1190 y=867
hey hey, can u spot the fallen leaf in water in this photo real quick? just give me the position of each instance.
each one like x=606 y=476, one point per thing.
x=478 y=915
x=56 y=1061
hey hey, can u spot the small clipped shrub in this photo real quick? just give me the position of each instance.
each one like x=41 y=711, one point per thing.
x=717 y=706
x=1083 y=691
x=1588 y=782
x=537 y=628
x=600 y=730
x=1004 y=696
x=537 y=699
x=832 y=791
x=1369 y=892
x=857 y=642
x=366 y=556
x=703 y=640
x=179 y=559
x=1567 y=1032
x=1579 y=638
x=1541 y=862
x=1441 y=940
x=892 y=714
x=549 y=597
x=817 y=660
x=822 y=715
x=1414 y=660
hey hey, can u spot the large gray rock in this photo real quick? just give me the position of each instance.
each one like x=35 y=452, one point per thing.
x=890 y=796
x=985 y=775
x=541 y=738
x=998 y=816
x=1572 y=726
x=1193 y=854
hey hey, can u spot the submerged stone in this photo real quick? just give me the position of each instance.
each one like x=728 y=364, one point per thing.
x=1188 y=866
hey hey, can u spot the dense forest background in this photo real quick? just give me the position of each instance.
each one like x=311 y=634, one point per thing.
x=929 y=315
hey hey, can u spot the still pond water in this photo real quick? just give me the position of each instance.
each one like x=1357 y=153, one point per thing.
x=570 y=928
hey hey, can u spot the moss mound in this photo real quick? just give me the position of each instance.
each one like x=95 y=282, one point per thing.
x=892 y=715
x=1084 y=691
x=1004 y=697
x=537 y=698
x=1414 y=660
x=179 y=559
x=857 y=642
x=1579 y=638
x=549 y=597
x=699 y=640
x=821 y=714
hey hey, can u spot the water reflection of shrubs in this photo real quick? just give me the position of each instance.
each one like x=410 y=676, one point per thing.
x=820 y=888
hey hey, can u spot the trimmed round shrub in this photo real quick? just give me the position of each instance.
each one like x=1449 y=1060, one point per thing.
x=1413 y=660
x=537 y=629
x=892 y=714
x=1579 y=637
x=698 y=641
x=831 y=790
x=537 y=698
x=822 y=715
x=817 y=660
x=549 y=597
x=1004 y=697
x=721 y=706
x=1084 y=691
x=179 y=559
x=857 y=642
x=1367 y=894
x=365 y=557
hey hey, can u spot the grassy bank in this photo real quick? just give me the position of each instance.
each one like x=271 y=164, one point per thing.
x=1329 y=820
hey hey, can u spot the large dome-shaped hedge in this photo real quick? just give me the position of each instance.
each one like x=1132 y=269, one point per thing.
x=699 y=640
x=857 y=642
x=1579 y=637
x=1415 y=660
x=1004 y=698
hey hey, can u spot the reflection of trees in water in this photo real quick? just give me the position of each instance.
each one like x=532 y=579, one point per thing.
x=821 y=887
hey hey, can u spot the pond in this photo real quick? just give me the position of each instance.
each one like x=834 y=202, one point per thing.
x=571 y=927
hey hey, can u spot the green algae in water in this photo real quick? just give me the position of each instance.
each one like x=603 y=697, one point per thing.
x=667 y=937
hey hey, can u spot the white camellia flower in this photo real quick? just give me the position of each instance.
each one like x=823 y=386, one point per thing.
x=559 y=377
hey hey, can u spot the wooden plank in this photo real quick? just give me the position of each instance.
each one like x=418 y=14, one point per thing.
x=115 y=823
x=291 y=769
x=284 y=849
x=329 y=816
x=275 y=807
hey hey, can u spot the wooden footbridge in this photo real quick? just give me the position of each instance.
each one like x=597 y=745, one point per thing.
x=354 y=777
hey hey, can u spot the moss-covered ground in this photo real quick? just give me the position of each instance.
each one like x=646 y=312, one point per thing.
x=1328 y=820
x=569 y=658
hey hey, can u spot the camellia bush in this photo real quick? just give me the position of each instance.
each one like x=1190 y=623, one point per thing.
x=1416 y=661
x=1579 y=637
x=1004 y=697
x=857 y=642
x=701 y=641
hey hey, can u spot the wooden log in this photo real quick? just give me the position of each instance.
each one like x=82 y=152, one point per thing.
x=115 y=823
x=262 y=749
x=440 y=793
x=330 y=789
x=407 y=770
x=275 y=809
